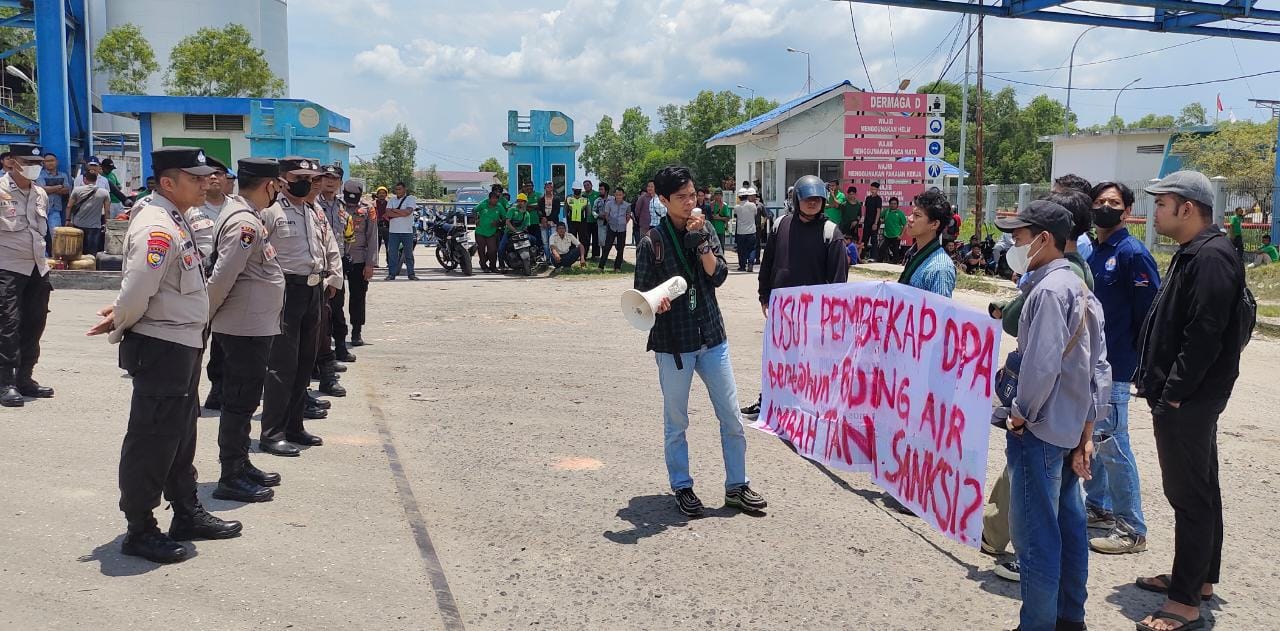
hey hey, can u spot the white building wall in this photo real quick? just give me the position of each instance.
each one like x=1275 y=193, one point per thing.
x=170 y=125
x=1112 y=157
x=815 y=134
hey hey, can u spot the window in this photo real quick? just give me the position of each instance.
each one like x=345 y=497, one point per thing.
x=828 y=170
x=212 y=122
x=766 y=173
x=524 y=175
x=558 y=178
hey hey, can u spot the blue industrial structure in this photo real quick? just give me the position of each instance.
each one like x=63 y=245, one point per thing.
x=276 y=127
x=540 y=148
x=1169 y=16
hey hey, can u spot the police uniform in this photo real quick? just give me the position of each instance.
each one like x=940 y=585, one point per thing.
x=299 y=236
x=361 y=238
x=159 y=320
x=24 y=280
x=203 y=219
x=336 y=215
x=246 y=296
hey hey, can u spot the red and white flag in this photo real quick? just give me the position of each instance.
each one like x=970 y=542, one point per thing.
x=1219 y=102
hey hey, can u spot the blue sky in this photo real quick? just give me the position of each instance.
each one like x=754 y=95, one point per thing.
x=451 y=70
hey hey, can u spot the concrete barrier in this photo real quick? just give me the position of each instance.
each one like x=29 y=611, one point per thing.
x=84 y=279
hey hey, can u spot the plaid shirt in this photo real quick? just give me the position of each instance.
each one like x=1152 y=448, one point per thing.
x=681 y=330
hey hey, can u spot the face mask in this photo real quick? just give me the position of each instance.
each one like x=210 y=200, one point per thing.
x=31 y=171
x=1019 y=257
x=301 y=188
x=1107 y=217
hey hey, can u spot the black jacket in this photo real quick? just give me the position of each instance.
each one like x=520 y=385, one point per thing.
x=796 y=256
x=1190 y=346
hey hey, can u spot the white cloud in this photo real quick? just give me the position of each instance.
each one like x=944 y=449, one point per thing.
x=464 y=130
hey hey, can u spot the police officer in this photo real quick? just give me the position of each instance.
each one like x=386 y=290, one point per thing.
x=203 y=217
x=327 y=366
x=300 y=237
x=336 y=212
x=159 y=319
x=24 y=275
x=246 y=295
x=361 y=254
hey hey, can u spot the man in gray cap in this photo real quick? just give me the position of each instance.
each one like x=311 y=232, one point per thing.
x=1063 y=388
x=24 y=275
x=1190 y=359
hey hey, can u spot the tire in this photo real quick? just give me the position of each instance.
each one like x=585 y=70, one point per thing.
x=464 y=259
x=444 y=259
x=526 y=265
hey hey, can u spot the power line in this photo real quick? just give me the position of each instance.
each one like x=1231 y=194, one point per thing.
x=870 y=85
x=1148 y=87
x=953 y=58
x=928 y=59
x=1101 y=61
x=892 y=44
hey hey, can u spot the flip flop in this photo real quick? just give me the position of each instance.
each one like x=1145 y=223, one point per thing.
x=1184 y=624
x=1163 y=587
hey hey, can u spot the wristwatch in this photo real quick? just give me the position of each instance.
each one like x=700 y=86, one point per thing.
x=704 y=248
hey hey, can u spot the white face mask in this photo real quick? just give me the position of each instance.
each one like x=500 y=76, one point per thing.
x=1019 y=257
x=31 y=171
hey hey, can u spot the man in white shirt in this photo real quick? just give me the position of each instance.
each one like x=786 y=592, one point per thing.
x=565 y=249
x=745 y=230
x=92 y=165
x=400 y=234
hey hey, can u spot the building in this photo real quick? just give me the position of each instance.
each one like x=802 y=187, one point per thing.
x=1125 y=155
x=540 y=148
x=454 y=180
x=233 y=128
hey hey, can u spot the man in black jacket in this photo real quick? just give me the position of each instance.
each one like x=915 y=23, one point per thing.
x=806 y=249
x=1190 y=359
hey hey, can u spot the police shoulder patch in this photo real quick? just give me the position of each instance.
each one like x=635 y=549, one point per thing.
x=247 y=236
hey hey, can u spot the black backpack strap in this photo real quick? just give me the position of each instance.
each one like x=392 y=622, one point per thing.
x=655 y=238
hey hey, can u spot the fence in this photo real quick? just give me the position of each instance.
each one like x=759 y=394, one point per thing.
x=1006 y=199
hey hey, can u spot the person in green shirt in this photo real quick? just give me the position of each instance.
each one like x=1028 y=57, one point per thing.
x=850 y=214
x=720 y=214
x=894 y=222
x=1267 y=254
x=489 y=218
x=578 y=225
x=835 y=202
x=1237 y=231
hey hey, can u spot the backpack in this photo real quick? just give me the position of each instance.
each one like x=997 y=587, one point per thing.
x=1246 y=316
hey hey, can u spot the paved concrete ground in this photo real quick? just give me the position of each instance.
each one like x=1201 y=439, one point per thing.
x=531 y=465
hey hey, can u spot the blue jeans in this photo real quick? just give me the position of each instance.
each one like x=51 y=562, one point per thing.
x=746 y=248
x=1114 y=487
x=394 y=256
x=1048 y=523
x=546 y=240
x=712 y=365
x=54 y=221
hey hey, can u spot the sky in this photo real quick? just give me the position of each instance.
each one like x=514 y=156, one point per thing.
x=451 y=70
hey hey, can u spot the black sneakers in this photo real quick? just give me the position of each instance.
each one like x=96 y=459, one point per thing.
x=745 y=499
x=752 y=411
x=688 y=503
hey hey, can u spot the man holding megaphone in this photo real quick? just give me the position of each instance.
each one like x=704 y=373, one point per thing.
x=688 y=336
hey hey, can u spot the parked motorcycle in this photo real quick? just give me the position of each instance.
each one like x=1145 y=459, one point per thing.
x=522 y=256
x=453 y=248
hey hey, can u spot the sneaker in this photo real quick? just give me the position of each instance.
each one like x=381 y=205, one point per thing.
x=1008 y=570
x=1099 y=518
x=744 y=498
x=752 y=411
x=1119 y=541
x=688 y=502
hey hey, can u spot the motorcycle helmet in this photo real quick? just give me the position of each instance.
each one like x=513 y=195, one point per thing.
x=806 y=187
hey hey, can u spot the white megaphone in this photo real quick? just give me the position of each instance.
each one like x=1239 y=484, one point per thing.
x=641 y=309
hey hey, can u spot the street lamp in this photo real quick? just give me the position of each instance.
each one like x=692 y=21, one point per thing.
x=1117 y=103
x=15 y=71
x=1071 y=66
x=808 y=72
x=752 y=90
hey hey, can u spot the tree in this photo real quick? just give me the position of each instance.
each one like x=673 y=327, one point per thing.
x=430 y=186
x=1242 y=152
x=220 y=62
x=24 y=95
x=493 y=166
x=127 y=56
x=602 y=152
x=1154 y=121
x=1192 y=115
x=394 y=162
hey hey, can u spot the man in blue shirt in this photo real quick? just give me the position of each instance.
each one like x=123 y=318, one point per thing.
x=1125 y=282
x=57 y=185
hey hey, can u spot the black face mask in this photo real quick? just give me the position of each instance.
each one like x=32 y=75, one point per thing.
x=300 y=188
x=1107 y=217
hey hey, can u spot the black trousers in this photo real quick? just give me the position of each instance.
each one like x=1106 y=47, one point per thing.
x=357 y=289
x=613 y=239
x=293 y=353
x=160 y=444
x=215 y=367
x=1187 y=444
x=24 y=310
x=246 y=363
x=338 y=320
x=324 y=341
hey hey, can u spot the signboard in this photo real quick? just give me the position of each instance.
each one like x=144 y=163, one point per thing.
x=906 y=103
x=886 y=125
x=875 y=170
x=885 y=147
x=933 y=148
x=891 y=380
x=937 y=104
x=934 y=170
x=935 y=126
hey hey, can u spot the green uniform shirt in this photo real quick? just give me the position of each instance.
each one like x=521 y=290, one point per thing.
x=591 y=198
x=720 y=216
x=1270 y=251
x=834 y=202
x=487 y=218
x=518 y=217
x=1236 y=229
x=894 y=221
x=850 y=212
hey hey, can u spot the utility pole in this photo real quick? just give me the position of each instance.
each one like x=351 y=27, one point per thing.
x=979 y=196
x=964 y=113
x=1274 y=106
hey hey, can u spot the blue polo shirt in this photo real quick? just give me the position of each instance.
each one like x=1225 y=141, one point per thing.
x=1125 y=281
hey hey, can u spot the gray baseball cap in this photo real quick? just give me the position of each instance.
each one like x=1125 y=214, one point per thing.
x=1043 y=214
x=1192 y=185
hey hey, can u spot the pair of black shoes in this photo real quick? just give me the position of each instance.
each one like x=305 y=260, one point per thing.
x=190 y=521
x=13 y=395
x=288 y=446
x=247 y=484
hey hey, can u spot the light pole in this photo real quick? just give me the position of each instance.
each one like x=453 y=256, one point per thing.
x=1071 y=66
x=1116 y=106
x=808 y=72
x=752 y=90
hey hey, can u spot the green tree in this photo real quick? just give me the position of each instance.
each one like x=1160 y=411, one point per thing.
x=24 y=95
x=127 y=56
x=602 y=153
x=220 y=62
x=365 y=170
x=394 y=162
x=1192 y=115
x=1153 y=121
x=1242 y=152
x=493 y=166
x=429 y=186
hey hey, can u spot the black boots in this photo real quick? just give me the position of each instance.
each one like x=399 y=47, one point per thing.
x=356 y=340
x=340 y=351
x=192 y=521
x=240 y=483
x=9 y=395
x=145 y=540
x=28 y=387
x=329 y=380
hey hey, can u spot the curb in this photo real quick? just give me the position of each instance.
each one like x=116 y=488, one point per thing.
x=77 y=279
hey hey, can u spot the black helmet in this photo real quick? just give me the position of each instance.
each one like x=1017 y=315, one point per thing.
x=806 y=187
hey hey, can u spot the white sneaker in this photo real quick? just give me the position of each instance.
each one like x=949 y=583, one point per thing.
x=1118 y=542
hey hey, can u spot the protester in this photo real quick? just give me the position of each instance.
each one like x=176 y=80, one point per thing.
x=807 y=248
x=361 y=254
x=656 y=208
x=615 y=214
x=92 y=165
x=1126 y=284
x=1080 y=205
x=894 y=220
x=566 y=249
x=489 y=220
x=1188 y=365
x=87 y=210
x=850 y=214
x=400 y=244
x=871 y=219
x=602 y=222
x=973 y=260
x=1050 y=422
x=1237 y=231
x=928 y=266
x=745 y=230
x=689 y=336
x=384 y=224
x=548 y=207
x=1267 y=254
x=57 y=186
x=24 y=277
x=640 y=213
x=719 y=214
x=1073 y=182
x=835 y=202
